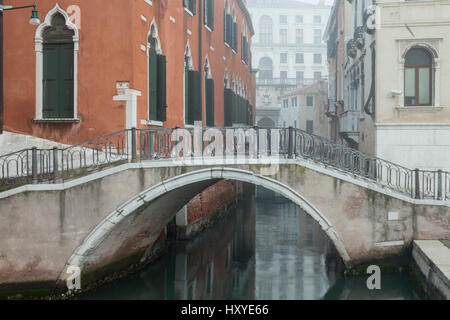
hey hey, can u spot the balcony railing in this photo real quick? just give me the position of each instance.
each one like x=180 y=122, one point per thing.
x=286 y=81
x=349 y=122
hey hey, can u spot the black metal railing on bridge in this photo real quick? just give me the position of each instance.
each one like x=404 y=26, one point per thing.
x=33 y=166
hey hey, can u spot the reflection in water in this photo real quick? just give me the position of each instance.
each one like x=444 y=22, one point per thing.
x=265 y=249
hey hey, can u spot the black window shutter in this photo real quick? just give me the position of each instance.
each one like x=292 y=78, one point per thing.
x=228 y=107
x=224 y=26
x=66 y=82
x=194 y=109
x=162 y=91
x=211 y=14
x=153 y=85
x=193 y=6
x=229 y=29
x=235 y=34
x=58 y=80
x=210 y=103
x=50 y=82
x=205 y=12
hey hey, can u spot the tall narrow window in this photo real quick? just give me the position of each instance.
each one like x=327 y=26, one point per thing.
x=299 y=36
x=209 y=96
x=234 y=34
x=418 y=78
x=58 y=70
x=310 y=126
x=283 y=36
x=317 y=36
x=157 y=95
x=193 y=110
x=266 y=32
x=209 y=14
x=190 y=5
x=299 y=76
x=317 y=58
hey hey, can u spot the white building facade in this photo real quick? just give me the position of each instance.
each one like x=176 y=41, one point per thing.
x=288 y=49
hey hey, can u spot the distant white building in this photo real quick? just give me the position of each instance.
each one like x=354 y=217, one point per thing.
x=287 y=50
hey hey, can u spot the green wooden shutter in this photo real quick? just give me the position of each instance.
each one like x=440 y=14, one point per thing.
x=229 y=29
x=50 y=81
x=153 y=85
x=193 y=6
x=58 y=81
x=210 y=103
x=65 y=99
x=162 y=92
x=228 y=107
x=194 y=105
x=211 y=14
x=186 y=96
x=235 y=107
x=235 y=36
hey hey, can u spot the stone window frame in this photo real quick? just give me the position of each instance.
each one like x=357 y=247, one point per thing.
x=432 y=45
x=152 y=35
x=39 y=49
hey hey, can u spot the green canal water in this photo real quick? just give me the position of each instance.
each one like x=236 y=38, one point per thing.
x=265 y=249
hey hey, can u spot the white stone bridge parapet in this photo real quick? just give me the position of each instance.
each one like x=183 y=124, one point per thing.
x=111 y=218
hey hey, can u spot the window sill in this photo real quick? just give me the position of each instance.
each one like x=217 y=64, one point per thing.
x=419 y=108
x=188 y=12
x=152 y=123
x=208 y=28
x=233 y=51
x=62 y=120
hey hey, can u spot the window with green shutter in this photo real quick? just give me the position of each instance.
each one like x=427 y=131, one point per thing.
x=162 y=89
x=209 y=102
x=157 y=96
x=228 y=107
x=190 y=5
x=194 y=107
x=58 y=70
x=209 y=13
x=152 y=85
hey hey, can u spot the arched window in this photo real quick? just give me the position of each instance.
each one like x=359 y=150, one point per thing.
x=265 y=68
x=228 y=25
x=192 y=83
x=266 y=33
x=418 y=77
x=157 y=96
x=58 y=71
x=56 y=45
x=234 y=34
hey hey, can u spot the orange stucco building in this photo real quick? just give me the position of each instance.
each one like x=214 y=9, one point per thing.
x=115 y=56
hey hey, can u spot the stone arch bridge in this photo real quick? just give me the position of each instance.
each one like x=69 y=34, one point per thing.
x=101 y=205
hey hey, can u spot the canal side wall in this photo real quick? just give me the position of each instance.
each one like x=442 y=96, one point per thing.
x=432 y=259
x=208 y=206
x=112 y=219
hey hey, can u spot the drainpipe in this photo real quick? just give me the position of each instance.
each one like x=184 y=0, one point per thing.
x=1 y=69
x=200 y=64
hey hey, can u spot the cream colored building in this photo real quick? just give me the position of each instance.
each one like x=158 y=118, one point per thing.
x=417 y=135
x=304 y=109
x=410 y=124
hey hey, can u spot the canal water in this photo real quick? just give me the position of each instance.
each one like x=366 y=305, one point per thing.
x=267 y=248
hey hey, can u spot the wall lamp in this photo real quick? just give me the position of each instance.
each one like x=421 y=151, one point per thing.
x=34 y=20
